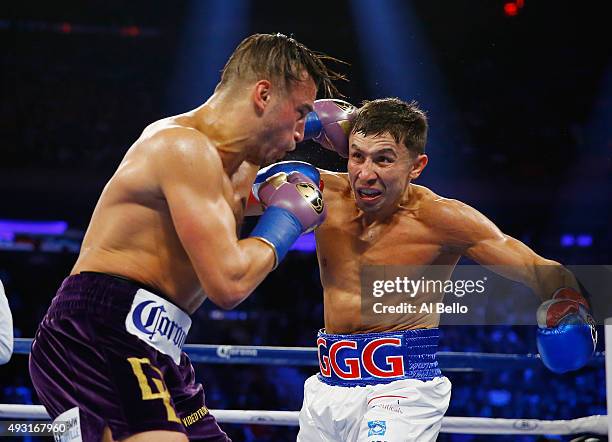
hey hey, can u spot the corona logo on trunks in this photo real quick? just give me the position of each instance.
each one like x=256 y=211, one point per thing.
x=150 y=319
x=312 y=195
x=380 y=358
x=159 y=323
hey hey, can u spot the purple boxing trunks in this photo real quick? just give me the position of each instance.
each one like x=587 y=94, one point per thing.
x=113 y=349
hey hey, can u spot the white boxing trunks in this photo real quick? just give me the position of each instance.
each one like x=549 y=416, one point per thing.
x=375 y=387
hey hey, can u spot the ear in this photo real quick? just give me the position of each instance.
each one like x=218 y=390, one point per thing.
x=262 y=94
x=419 y=164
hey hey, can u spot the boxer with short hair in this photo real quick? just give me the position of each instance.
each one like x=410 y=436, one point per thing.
x=379 y=381
x=164 y=237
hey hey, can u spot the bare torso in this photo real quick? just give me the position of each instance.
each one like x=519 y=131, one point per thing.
x=345 y=244
x=131 y=233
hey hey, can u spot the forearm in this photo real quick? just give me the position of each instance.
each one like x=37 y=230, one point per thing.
x=541 y=275
x=239 y=273
x=549 y=276
x=514 y=260
x=260 y=260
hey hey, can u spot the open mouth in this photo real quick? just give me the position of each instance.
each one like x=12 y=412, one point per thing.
x=369 y=194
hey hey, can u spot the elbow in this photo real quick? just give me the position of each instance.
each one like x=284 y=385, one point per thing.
x=229 y=285
x=228 y=304
x=230 y=296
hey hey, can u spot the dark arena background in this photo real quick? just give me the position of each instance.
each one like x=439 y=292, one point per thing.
x=519 y=98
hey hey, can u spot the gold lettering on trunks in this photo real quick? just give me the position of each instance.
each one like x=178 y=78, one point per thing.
x=146 y=390
x=195 y=416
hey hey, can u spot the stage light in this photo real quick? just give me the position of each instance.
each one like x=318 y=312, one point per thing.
x=567 y=240
x=510 y=9
x=211 y=31
x=130 y=31
x=65 y=28
x=401 y=63
x=584 y=240
x=33 y=227
x=580 y=240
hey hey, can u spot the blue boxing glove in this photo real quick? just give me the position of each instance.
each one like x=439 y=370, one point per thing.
x=306 y=169
x=254 y=206
x=330 y=123
x=293 y=204
x=566 y=335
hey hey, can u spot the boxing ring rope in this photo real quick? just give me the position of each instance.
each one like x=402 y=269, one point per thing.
x=465 y=425
x=305 y=356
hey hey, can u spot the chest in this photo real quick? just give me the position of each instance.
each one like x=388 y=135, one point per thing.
x=344 y=241
x=236 y=190
x=236 y=201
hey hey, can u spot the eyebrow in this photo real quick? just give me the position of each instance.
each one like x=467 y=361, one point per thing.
x=378 y=152
x=386 y=150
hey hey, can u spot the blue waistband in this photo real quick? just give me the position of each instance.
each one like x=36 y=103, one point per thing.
x=378 y=358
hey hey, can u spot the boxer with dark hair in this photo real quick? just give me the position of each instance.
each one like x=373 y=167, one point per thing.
x=380 y=380
x=163 y=238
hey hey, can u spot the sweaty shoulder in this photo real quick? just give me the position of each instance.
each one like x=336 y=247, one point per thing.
x=334 y=182
x=181 y=151
x=455 y=223
x=433 y=209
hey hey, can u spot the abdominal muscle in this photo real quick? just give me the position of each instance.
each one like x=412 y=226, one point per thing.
x=344 y=314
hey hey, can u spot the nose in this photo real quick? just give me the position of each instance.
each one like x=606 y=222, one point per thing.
x=298 y=135
x=367 y=172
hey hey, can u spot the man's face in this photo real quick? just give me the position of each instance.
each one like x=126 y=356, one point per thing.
x=379 y=170
x=286 y=118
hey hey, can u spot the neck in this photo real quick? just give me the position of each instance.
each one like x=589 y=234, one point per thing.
x=380 y=216
x=225 y=120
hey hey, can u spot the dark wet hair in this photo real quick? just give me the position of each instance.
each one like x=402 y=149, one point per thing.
x=404 y=121
x=280 y=57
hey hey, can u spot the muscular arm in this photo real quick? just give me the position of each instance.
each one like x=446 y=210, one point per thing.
x=191 y=178
x=476 y=237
